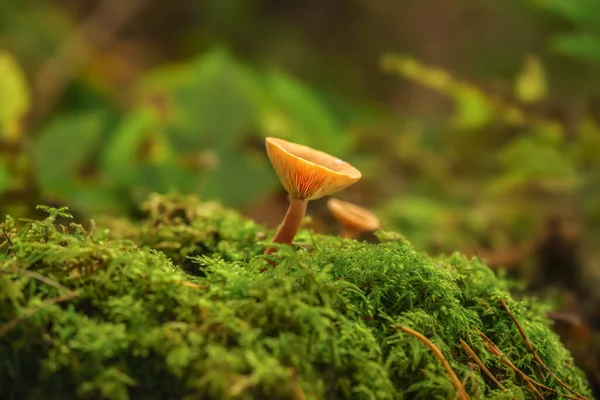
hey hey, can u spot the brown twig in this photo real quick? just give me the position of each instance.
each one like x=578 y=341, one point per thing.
x=526 y=339
x=496 y=351
x=178 y=282
x=437 y=352
x=191 y=285
x=10 y=325
x=535 y=355
x=296 y=389
x=480 y=363
x=570 y=397
x=528 y=381
x=542 y=386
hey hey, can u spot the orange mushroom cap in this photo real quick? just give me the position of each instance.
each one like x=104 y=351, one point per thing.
x=306 y=173
x=352 y=216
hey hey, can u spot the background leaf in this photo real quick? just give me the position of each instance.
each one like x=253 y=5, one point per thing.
x=14 y=96
x=292 y=111
x=214 y=110
x=63 y=146
x=582 y=46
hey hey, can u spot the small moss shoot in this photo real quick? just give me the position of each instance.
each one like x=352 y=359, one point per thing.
x=175 y=307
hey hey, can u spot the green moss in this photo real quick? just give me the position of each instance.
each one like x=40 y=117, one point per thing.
x=175 y=306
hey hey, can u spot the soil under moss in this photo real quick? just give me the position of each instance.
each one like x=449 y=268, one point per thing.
x=175 y=306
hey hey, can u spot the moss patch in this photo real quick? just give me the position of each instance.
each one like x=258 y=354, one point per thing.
x=174 y=306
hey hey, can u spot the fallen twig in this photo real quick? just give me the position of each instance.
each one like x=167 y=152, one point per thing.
x=570 y=397
x=191 y=284
x=437 y=352
x=480 y=363
x=526 y=339
x=296 y=389
x=528 y=381
x=496 y=351
x=535 y=355
x=542 y=386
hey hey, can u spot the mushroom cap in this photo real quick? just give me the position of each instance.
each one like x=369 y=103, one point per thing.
x=352 y=216
x=306 y=173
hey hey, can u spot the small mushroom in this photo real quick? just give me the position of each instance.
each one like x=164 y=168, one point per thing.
x=354 y=219
x=306 y=174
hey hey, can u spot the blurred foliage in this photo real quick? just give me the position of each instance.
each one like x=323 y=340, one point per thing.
x=14 y=96
x=481 y=171
x=193 y=127
x=583 y=42
x=524 y=168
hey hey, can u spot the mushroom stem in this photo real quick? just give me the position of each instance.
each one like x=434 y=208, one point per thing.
x=291 y=223
x=346 y=232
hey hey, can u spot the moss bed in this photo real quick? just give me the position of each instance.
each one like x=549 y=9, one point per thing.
x=175 y=307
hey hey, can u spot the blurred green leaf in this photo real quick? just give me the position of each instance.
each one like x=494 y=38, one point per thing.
x=583 y=12
x=120 y=154
x=63 y=146
x=140 y=160
x=582 y=46
x=530 y=159
x=292 y=111
x=14 y=96
x=252 y=176
x=215 y=105
x=214 y=110
x=164 y=176
x=163 y=80
x=415 y=216
x=530 y=85
x=472 y=109
x=93 y=198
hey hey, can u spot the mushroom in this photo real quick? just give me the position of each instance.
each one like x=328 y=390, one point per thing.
x=306 y=174
x=354 y=219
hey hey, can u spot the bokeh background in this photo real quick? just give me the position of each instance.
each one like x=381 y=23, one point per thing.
x=476 y=123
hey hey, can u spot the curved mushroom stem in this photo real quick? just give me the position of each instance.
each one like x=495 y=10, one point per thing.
x=346 y=232
x=291 y=223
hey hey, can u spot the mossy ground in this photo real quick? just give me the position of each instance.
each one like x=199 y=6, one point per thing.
x=175 y=306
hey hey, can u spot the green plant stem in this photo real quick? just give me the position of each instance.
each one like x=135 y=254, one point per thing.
x=291 y=223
